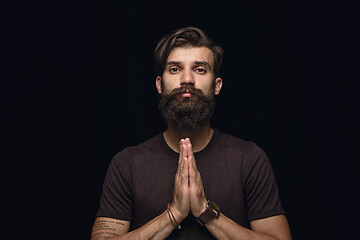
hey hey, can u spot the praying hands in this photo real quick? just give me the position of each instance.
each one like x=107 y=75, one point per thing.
x=189 y=193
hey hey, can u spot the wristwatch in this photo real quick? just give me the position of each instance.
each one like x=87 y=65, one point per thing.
x=212 y=211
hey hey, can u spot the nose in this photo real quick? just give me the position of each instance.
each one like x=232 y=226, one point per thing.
x=187 y=77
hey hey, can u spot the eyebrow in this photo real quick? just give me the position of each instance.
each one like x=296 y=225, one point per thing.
x=173 y=63
x=203 y=63
x=196 y=62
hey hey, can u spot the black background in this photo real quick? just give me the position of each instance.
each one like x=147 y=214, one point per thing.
x=82 y=87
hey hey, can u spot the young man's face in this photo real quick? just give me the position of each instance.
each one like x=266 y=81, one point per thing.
x=188 y=87
x=189 y=66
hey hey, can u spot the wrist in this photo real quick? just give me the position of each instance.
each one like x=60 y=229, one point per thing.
x=178 y=215
x=201 y=210
x=212 y=211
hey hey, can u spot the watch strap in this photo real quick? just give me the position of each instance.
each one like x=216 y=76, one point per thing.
x=212 y=211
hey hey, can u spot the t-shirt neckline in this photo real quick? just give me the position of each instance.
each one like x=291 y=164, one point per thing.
x=199 y=154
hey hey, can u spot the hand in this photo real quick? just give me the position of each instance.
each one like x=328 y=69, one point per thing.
x=181 y=202
x=189 y=192
x=198 y=200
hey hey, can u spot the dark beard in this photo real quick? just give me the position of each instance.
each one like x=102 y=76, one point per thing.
x=187 y=113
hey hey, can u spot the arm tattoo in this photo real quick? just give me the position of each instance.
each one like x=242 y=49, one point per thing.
x=153 y=235
x=102 y=230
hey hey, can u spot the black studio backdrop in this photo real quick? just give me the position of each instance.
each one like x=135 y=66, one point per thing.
x=82 y=87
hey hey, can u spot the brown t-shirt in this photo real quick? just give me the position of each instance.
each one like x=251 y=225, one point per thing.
x=236 y=174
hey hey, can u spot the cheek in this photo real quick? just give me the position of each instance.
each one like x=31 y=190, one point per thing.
x=206 y=88
x=167 y=88
x=169 y=84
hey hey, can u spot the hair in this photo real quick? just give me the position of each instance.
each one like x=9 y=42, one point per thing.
x=185 y=37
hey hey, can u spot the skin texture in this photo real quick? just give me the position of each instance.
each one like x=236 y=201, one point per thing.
x=189 y=191
x=190 y=65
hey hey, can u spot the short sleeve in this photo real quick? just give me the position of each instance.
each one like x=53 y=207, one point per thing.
x=260 y=188
x=116 y=198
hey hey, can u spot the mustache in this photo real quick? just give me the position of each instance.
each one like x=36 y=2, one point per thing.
x=189 y=89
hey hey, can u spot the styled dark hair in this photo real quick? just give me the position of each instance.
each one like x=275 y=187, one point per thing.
x=183 y=37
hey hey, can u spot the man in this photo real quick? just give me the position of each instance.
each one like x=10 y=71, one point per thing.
x=140 y=198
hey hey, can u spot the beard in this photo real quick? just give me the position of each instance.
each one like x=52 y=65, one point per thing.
x=187 y=113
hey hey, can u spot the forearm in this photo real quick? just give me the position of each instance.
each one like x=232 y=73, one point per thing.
x=158 y=228
x=225 y=228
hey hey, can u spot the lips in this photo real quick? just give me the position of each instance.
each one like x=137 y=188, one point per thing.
x=186 y=95
x=186 y=92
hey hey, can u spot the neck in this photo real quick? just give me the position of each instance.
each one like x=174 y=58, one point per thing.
x=199 y=138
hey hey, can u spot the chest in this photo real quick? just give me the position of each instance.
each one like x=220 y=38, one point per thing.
x=153 y=185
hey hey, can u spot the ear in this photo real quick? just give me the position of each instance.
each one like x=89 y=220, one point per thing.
x=158 y=84
x=218 y=85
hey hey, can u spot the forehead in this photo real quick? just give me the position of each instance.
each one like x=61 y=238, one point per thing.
x=191 y=54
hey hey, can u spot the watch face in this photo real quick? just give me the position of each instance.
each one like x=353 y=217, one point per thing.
x=214 y=206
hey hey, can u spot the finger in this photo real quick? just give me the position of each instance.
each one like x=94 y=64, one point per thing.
x=190 y=153
x=192 y=165
x=184 y=147
x=186 y=172
x=181 y=160
x=191 y=172
x=180 y=153
x=184 y=163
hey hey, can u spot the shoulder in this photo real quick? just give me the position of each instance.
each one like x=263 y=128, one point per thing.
x=248 y=151
x=139 y=151
x=232 y=143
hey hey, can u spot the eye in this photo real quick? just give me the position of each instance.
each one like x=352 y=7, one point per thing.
x=174 y=69
x=200 y=70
